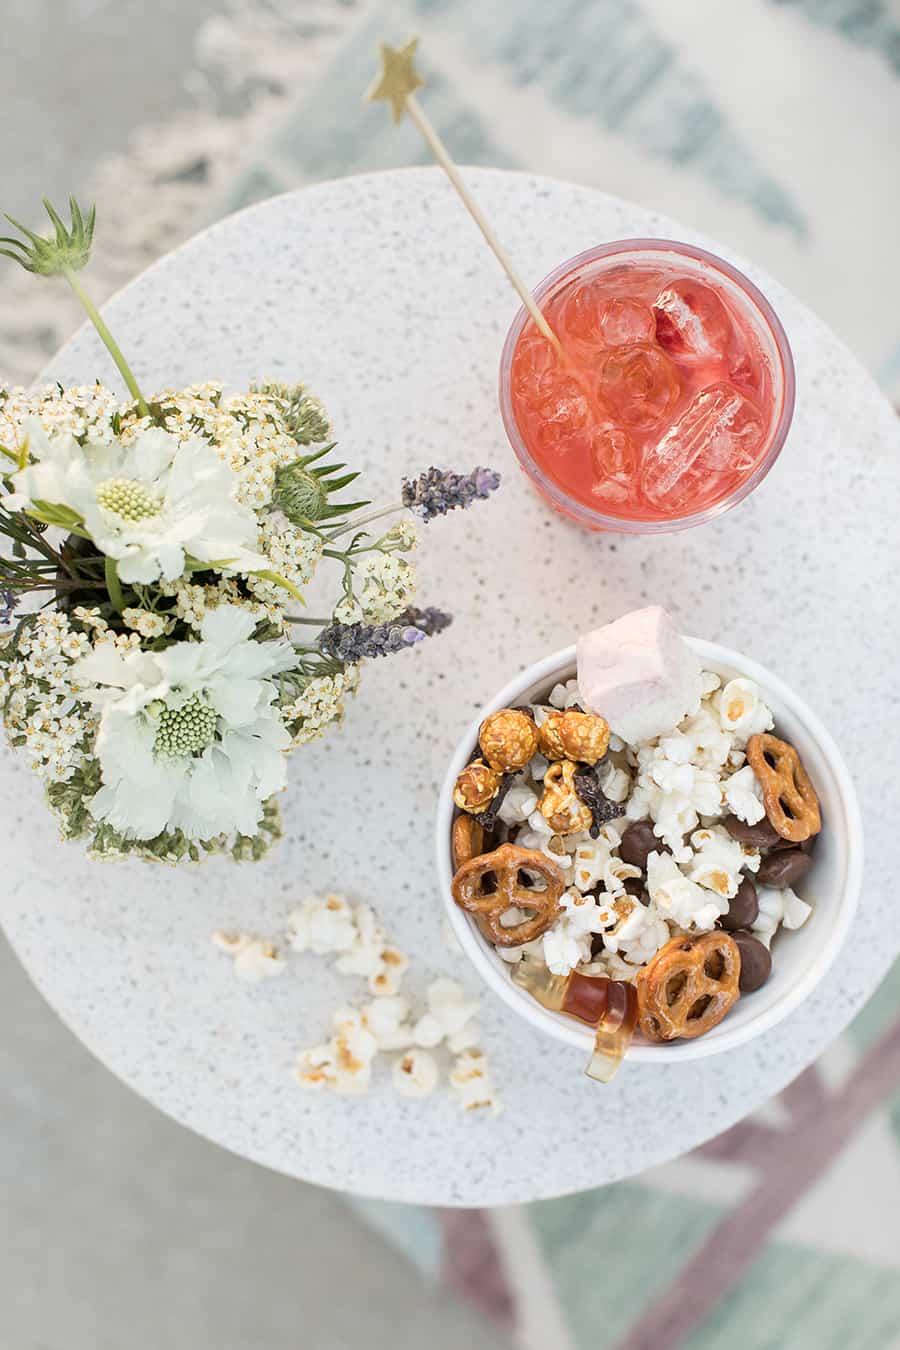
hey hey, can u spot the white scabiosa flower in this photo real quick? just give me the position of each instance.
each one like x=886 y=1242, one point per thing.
x=146 y=504
x=189 y=737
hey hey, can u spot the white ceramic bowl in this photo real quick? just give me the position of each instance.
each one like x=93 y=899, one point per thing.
x=800 y=958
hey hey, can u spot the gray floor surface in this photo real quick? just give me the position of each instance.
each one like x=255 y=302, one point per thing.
x=118 y=1228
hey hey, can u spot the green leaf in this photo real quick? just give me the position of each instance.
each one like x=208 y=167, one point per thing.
x=335 y=484
x=192 y=564
x=277 y=579
x=341 y=508
x=54 y=513
x=306 y=460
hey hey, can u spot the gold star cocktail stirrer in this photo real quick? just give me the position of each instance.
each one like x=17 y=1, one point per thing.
x=396 y=84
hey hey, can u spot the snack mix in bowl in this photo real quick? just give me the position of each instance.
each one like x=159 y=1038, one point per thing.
x=630 y=845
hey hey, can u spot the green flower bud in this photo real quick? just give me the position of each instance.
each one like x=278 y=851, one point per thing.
x=299 y=493
x=68 y=251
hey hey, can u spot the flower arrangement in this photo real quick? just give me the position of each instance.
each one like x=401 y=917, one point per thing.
x=157 y=551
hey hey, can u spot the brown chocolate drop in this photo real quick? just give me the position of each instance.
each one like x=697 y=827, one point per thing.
x=756 y=962
x=638 y=842
x=635 y=887
x=743 y=908
x=761 y=835
x=784 y=868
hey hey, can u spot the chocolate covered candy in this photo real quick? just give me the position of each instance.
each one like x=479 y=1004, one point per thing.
x=761 y=835
x=638 y=842
x=743 y=908
x=756 y=962
x=784 y=868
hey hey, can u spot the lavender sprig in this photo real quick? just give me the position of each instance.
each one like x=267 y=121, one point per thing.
x=352 y=642
x=437 y=491
x=8 y=603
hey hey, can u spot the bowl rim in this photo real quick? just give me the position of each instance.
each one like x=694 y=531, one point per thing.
x=577 y=1034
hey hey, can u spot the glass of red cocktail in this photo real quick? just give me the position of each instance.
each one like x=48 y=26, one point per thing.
x=669 y=397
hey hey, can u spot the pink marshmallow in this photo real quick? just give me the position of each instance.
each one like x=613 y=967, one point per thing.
x=638 y=673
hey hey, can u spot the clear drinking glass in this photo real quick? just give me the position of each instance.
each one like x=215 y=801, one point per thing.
x=673 y=396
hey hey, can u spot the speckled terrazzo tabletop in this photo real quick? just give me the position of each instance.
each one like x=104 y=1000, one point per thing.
x=377 y=292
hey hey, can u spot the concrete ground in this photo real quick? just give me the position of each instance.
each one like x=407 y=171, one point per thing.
x=118 y=1227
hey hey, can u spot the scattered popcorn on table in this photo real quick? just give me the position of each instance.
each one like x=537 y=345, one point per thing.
x=254 y=958
x=470 y=1082
x=344 y=1063
x=322 y=924
x=330 y=926
x=415 y=1074
x=388 y=1020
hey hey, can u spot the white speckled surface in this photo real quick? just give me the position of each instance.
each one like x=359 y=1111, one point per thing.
x=376 y=291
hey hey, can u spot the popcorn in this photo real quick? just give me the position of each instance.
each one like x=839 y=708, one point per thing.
x=384 y=983
x=581 y=912
x=533 y=950
x=231 y=943
x=616 y=873
x=678 y=899
x=518 y=804
x=449 y=1009
x=639 y=674
x=257 y=961
x=541 y=836
x=415 y=1074
x=322 y=925
x=470 y=1083
x=743 y=796
x=699 y=740
x=563 y=696
x=468 y=1036
x=393 y=966
x=615 y=783
x=344 y=1063
x=566 y=945
x=636 y=930
x=717 y=862
x=589 y=863
x=428 y=1032
x=388 y=1021
x=777 y=908
x=742 y=711
x=329 y=925
x=795 y=910
x=254 y=959
x=771 y=913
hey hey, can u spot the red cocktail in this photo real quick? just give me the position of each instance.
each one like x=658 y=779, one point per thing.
x=671 y=395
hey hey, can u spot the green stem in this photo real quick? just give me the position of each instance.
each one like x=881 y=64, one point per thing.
x=293 y=618
x=109 y=341
x=367 y=519
x=114 y=586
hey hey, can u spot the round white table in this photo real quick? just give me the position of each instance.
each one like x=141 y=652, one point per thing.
x=378 y=292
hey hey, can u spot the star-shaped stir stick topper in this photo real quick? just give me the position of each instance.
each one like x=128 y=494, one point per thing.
x=398 y=78
x=396 y=84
